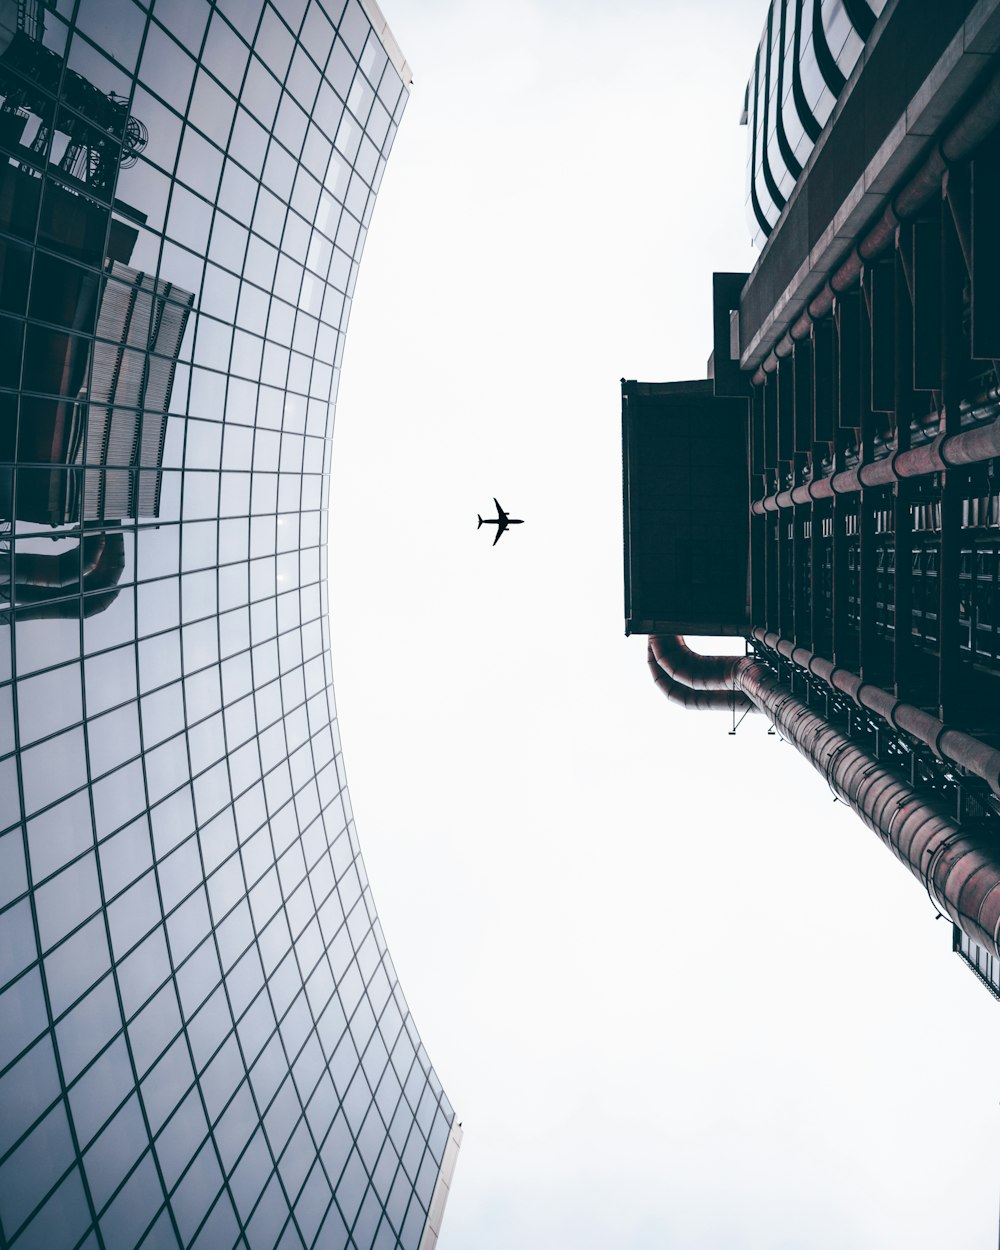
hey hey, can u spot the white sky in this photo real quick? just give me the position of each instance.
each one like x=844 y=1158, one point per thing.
x=678 y=997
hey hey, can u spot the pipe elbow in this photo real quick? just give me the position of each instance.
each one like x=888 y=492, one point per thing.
x=688 y=668
x=694 y=700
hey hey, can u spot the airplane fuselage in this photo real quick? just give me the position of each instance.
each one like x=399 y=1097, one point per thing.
x=502 y=521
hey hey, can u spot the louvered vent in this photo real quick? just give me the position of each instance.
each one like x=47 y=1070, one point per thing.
x=140 y=326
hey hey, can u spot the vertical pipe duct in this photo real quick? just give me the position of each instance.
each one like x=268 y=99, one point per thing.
x=959 y=868
x=947 y=743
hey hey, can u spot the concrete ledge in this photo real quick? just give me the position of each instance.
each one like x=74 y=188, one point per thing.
x=381 y=28
x=982 y=28
x=442 y=1188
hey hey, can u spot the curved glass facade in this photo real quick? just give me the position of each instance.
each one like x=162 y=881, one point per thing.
x=202 y=1038
x=807 y=52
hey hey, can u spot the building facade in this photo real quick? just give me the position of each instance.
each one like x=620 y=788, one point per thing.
x=864 y=349
x=202 y=1037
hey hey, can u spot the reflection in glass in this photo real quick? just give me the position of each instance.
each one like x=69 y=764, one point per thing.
x=86 y=402
x=792 y=93
x=202 y=1038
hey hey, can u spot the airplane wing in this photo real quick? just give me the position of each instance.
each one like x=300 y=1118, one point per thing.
x=501 y=515
x=500 y=530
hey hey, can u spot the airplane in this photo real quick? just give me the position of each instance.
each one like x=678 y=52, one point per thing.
x=502 y=521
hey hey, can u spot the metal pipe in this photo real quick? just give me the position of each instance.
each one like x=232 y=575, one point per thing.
x=695 y=700
x=959 y=869
x=947 y=451
x=950 y=744
x=688 y=668
x=65 y=568
x=968 y=447
x=41 y=580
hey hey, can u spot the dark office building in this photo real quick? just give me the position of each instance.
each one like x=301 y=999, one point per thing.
x=847 y=441
x=203 y=1041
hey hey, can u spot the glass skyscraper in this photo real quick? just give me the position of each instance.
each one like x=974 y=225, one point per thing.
x=202 y=1037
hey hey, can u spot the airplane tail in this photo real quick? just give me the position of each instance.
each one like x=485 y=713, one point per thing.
x=480 y=519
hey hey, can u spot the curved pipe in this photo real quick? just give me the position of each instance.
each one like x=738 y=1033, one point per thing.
x=41 y=579
x=64 y=569
x=959 y=869
x=695 y=700
x=688 y=668
x=959 y=142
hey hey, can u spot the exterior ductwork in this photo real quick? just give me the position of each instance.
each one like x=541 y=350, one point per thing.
x=697 y=672
x=720 y=699
x=959 y=748
x=45 y=585
x=947 y=451
x=959 y=869
x=65 y=570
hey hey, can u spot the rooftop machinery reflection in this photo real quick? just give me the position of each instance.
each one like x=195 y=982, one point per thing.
x=89 y=429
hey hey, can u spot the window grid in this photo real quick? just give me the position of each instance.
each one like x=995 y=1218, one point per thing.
x=196 y=944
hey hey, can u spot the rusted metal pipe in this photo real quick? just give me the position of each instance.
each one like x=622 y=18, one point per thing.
x=959 y=869
x=947 y=451
x=881 y=236
x=954 y=745
x=802 y=328
x=695 y=700
x=697 y=672
x=968 y=447
x=975 y=125
x=848 y=275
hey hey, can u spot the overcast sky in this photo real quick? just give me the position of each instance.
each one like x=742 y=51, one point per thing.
x=678 y=997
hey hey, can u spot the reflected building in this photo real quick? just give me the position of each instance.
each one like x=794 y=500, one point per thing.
x=203 y=1041
x=99 y=357
x=843 y=452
